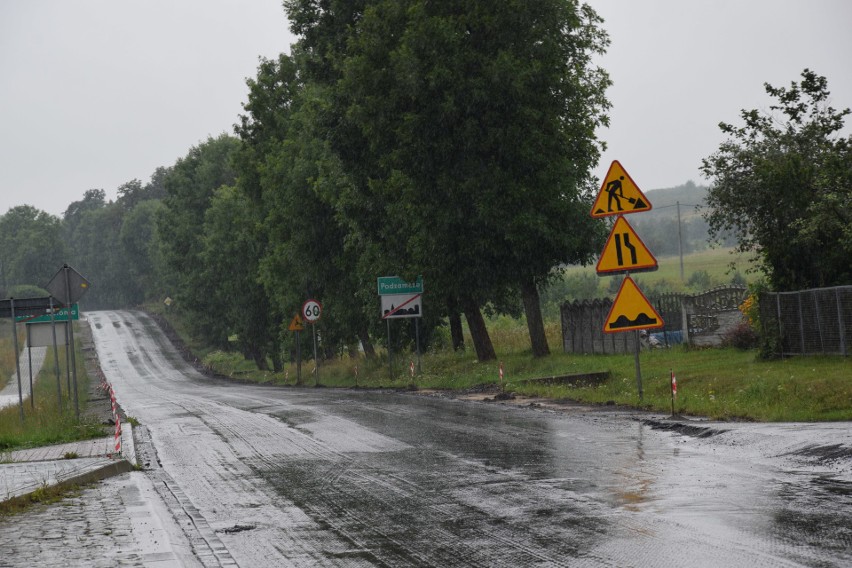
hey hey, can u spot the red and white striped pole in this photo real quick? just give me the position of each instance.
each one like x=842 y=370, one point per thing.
x=674 y=391
x=116 y=417
x=118 y=435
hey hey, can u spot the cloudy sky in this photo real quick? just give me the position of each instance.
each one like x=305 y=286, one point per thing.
x=95 y=93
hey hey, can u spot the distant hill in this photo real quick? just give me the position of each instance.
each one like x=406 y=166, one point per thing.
x=659 y=228
x=664 y=201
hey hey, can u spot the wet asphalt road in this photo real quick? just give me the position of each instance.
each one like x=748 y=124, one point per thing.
x=264 y=476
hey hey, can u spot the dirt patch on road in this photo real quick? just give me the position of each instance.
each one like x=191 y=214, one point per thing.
x=685 y=428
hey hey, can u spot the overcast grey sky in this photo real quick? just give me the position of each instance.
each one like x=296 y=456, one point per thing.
x=95 y=93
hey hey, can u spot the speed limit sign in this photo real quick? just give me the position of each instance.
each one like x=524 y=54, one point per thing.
x=311 y=311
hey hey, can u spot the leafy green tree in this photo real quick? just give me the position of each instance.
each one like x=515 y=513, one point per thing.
x=92 y=199
x=98 y=254
x=232 y=250
x=783 y=184
x=286 y=170
x=467 y=133
x=139 y=242
x=190 y=185
x=31 y=247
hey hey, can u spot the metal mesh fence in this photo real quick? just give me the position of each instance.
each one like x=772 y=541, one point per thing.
x=809 y=321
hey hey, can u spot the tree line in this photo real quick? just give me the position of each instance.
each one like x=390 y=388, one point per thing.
x=452 y=141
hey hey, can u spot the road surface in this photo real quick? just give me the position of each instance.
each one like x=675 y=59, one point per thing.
x=268 y=476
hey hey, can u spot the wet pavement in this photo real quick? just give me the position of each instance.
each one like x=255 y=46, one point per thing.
x=248 y=475
x=24 y=472
x=109 y=515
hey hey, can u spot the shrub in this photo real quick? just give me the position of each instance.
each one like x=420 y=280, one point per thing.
x=700 y=280
x=742 y=336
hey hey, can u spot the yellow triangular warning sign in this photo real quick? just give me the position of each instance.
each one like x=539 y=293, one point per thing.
x=296 y=323
x=624 y=251
x=631 y=310
x=619 y=194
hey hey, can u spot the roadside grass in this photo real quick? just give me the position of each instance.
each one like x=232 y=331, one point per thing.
x=46 y=495
x=717 y=383
x=43 y=422
x=7 y=354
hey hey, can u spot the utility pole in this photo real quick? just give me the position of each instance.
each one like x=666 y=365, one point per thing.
x=680 y=240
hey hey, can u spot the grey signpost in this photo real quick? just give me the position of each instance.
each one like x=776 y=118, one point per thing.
x=68 y=286
x=12 y=308
x=311 y=312
x=37 y=336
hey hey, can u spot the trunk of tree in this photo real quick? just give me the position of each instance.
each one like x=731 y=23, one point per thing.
x=366 y=344
x=535 y=323
x=277 y=363
x=456 y=332
x=259 y=358
x=478 y=331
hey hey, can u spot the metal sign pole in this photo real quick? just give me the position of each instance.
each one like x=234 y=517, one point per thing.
x=56 y=356
x=30 y=361
x=638 y=368
x=298 y=357
x=417 y=343
x=17 y=358
x=71 y=341
x=67 y=363
x=316 y=360
x=390 y=356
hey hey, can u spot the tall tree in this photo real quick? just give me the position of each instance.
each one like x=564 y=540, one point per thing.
x=139 y=243
x=31 y=247
x=191 y=184
x=233 y=247
x=99 y=255
x=283 y=168
x=467 y=131
x=782 y=183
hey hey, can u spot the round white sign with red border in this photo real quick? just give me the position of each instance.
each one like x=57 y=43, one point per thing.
x=311 y=311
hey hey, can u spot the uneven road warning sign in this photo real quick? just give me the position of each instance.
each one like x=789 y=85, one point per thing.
x=625 y=252
x=296 y=324
x=619 y=194
x=631 y=310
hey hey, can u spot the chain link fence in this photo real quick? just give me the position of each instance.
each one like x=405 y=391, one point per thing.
x=809 y=322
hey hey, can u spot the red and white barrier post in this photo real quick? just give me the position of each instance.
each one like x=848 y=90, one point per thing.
x=116 y=418
x=674 y=391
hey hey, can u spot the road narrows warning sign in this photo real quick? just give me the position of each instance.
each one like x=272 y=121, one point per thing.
x=619 y=194
x=625 y=252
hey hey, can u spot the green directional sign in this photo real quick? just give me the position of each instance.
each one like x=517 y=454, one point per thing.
x=61 y=315
x=389 y=285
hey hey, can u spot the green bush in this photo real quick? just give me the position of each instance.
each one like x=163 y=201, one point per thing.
x=742 y=336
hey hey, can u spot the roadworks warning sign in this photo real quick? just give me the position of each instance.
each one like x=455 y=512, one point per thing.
x=619 y=194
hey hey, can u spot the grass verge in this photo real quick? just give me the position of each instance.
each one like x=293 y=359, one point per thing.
x=44 y=423
x=723 y=383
